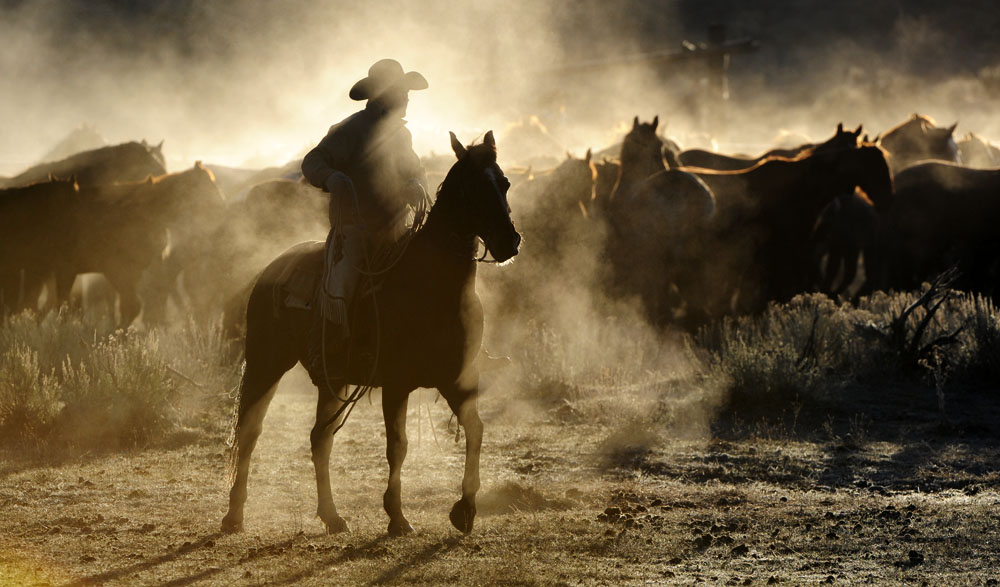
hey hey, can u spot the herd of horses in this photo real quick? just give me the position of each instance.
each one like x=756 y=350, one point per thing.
x=694 y=235
x=698 y=235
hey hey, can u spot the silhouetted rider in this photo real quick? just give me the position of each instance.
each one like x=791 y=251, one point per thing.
x=367 y=164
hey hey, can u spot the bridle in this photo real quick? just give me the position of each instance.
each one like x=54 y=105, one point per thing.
x=473 y=210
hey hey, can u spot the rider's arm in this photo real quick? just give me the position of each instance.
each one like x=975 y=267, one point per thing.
x=327 y=159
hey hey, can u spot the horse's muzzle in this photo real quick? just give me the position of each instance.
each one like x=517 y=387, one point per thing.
x=508 y=249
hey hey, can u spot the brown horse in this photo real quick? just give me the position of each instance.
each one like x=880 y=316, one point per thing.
x=120 y=230
x=36 y=228
x=847 y=229
x=552 y=201
x=125 y=162
x=945 y=215
x=766 y=214
x=427 y=326
x=917 y=139
x=655 y=217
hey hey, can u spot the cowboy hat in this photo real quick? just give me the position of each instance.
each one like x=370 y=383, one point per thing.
x=383 y=75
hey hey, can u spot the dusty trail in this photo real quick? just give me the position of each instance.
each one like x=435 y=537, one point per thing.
x=560 y=505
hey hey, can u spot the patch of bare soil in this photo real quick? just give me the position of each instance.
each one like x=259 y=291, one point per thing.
x=868 y=498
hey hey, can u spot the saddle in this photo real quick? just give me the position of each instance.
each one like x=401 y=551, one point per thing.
x=299 y=288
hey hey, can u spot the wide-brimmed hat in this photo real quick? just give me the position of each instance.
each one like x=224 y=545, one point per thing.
x=386 y=74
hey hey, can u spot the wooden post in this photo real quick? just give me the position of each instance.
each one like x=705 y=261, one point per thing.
x=717 y=63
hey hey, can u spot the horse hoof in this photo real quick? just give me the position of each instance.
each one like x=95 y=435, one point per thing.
x=400 y=529
x=336 y=525
x=462 y=516
x=231 y=525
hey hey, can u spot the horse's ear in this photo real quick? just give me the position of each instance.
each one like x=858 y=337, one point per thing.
x=489 y=140
x=149 y=179
x=857 y=131
x=951 y=129
x=656 y=121
x=457 y=146
x=198 y=165
x=588 y=156
x=840 y=127
x=864 y=139
x=635 y=123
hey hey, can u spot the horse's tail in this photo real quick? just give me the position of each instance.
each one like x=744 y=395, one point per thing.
x=234 y=434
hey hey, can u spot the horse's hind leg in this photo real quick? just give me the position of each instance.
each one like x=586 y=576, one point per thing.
x=256 y=390
x=394 y=402
x=464 y=404
x=321 y=440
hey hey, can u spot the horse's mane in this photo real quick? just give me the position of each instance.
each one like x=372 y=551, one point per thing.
x=451 y=178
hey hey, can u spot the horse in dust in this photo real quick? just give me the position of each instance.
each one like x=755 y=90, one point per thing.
x=552 y=213
x=976 y=151
x=760 y=238
x=120 y=230
x=848 y=228
x=273 y=216
x=551 y=201
x=36 y=228
x=946 y=215
x=424 y=330
x=655 y=217
x=917 y=139
x=118 y=163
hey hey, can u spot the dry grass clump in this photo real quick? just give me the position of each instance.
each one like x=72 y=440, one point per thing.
x=65 y=379
x=812 y=348
x=28 y=397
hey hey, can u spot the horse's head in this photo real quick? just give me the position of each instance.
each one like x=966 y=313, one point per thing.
x=841 y=139
x=155 y=152
x=140 y=157
x=642 y=147
x=607 y=175
x=975 y=151
x=572 y=183
x=483 y=187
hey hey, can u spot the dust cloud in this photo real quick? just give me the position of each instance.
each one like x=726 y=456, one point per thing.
x=253 y=84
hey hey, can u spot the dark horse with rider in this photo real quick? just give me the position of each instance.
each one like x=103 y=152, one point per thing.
x=388 y=301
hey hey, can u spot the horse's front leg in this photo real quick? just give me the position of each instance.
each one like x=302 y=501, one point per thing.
x=394 y=402
x=464 y=404
x=321 y=440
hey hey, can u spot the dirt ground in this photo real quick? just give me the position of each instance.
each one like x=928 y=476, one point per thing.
x=890 y=497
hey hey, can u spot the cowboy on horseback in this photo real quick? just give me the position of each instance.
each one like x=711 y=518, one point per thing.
x=367 y=164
